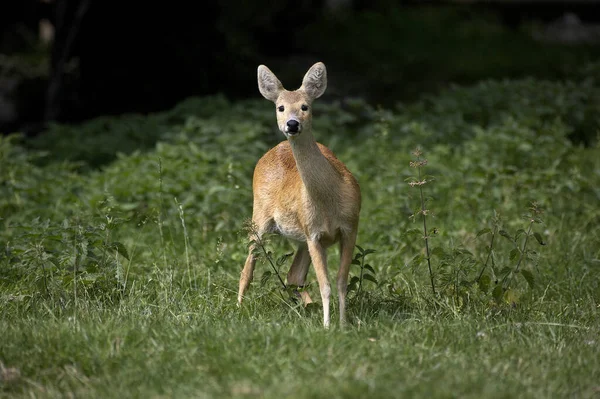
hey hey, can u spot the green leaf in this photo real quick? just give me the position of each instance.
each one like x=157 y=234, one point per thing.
x=281 y=260
x=484 y=283
x=265 y=277
x=120 y=249
x=528 y=276
x=531 y=255
x=439 y=252
x=355 y=262
x=498 y=293
x=483 y=231
x=505 y=270
x=462 y=251
x=360 y=248
x=539 y=238
x=369 y=268
x=302 y=289
x=368 y=251
x=417 y=259
x=292 y=293
x=370 y=278
x=514 y=254
x=353 y=285
x=511 y=296
x=414 y=232
x=505 y=234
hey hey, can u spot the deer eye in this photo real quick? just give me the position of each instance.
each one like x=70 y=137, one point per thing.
x=304 y=107
x=281 y=108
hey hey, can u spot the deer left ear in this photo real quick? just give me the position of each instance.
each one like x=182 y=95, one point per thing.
x=315 y=81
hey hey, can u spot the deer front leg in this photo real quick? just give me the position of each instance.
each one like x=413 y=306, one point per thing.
x=260 y=225
x=298 y=271
x=247 y=273
x=319 y=260
x=346 y=251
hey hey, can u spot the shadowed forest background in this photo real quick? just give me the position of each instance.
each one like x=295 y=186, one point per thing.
x=70 y=60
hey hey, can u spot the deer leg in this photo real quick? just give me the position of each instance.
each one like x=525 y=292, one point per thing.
x=346 y=251
x=299 y=270
x=261 y=224
x=258 y=229
x=318 y=255
x=247 y=273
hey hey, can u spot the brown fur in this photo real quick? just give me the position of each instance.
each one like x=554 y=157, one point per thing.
x=302 y=191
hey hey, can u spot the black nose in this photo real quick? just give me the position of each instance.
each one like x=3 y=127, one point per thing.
x=292 y=125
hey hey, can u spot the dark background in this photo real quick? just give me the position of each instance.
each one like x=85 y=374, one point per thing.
x=109 y=57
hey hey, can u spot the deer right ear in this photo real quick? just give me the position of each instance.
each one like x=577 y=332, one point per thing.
x=268 y=84
x=315 y=81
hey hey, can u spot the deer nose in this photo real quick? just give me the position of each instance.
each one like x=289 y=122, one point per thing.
x=292 y=126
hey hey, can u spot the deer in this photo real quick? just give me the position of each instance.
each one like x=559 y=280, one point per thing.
x=302 y=191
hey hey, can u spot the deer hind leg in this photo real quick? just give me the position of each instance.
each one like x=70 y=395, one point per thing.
x=346 y=251
x=318 y=255
x=298 y=271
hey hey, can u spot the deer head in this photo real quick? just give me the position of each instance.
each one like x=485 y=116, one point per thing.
x=294 y=113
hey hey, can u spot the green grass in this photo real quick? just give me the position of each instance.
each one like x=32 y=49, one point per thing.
x=119 y=267
x=204 y=346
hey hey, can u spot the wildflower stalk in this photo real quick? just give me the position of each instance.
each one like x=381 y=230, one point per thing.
x=257 y=240
x=186 y=241
x=518 y=266
x=366 y=271
x=490 y=254
x=160 y=211
x=535 y=210
x=167 y=267
x=418 y=164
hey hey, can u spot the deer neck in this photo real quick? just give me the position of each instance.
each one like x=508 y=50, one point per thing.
x=318 y=175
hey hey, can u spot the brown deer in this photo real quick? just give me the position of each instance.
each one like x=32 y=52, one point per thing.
x=303 y=192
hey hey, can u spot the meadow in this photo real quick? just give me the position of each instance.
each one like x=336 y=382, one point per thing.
x=477 y=270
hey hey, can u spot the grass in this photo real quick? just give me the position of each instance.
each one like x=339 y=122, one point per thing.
x=201 y=345
x=119 y=267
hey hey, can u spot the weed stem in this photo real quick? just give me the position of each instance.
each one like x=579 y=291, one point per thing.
x=518 y=266
x=489 y=253
x=268 y=256
x=423 y=214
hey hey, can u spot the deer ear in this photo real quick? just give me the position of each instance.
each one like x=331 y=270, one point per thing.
x=315 y=81
x=268 y=84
